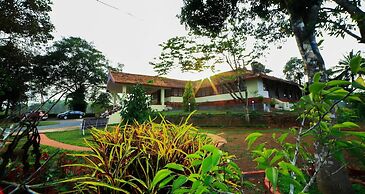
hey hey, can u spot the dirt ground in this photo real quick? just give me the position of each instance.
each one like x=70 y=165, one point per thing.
x=237 y=146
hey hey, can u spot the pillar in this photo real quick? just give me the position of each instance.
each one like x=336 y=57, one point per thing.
x=124 y=89
x=162 y=98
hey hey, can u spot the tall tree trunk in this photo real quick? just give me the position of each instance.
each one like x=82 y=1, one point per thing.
x=247 y=114
x=333 y=178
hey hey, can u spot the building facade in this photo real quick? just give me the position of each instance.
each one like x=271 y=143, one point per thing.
x=215 y=92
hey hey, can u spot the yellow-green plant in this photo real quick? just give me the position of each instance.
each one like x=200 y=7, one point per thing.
x=125 y=159
x=210 y=171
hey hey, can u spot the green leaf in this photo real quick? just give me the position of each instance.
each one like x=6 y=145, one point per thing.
x=182 y=179
x=317 y=77
x=193 y=156
x=207 y=164
x=196 y=162
x=338 y=82
x=101 y=184
x=209 y=148
x=359 y=83
x=356 y=133
x=220 y=186
x=252 y=138
x=294 y=169
x=355 y=64
x=196 y=185
x=276 y=158
x=354 y=98
x=283 y=137
x=175 y=166
x=160 y=175
x=362 y=70
x=166 y=181
x=316 y=87
x=272 y=174
x=216 y=157
x=346 y=125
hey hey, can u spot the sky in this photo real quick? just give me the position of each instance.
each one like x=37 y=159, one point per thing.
x=129 y=31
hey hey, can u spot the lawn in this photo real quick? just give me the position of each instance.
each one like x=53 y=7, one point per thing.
x=73 y=137
x=235 y=137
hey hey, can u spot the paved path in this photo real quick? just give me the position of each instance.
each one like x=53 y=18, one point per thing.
x=218 y=140
x=49 y=142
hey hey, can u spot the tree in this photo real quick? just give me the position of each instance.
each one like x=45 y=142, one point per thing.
x=258 y=67
x=23 y=25
x=276 y=20
x=25 y=21
x=136 y=106
x=189 y=98
x=76 y=100
x=102 y=102
x=197 y=52
x=78 y=67
x=294 y=70
x=342 y=71
x=14 y=75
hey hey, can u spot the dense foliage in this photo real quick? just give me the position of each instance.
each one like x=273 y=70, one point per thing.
x=273 y=21
x=76 y=67
x=258 y=67
x=24 y=25
x=294 y=70
x=135 y=108
x=294 y=162
x=189 y=103
x=102 y=103
x=125 y=159
x=209 y=171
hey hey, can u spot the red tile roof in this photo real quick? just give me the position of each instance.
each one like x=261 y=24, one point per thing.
x=229 y=76
x=128 y=78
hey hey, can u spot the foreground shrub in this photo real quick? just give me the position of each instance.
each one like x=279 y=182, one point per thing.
x=209 y=171
x=126 y=158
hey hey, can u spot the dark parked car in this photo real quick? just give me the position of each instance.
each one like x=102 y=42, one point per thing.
x=71 y=115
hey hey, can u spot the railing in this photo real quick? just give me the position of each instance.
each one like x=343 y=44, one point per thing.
x=93 y=122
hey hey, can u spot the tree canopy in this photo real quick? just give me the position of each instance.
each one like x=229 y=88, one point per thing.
x=189 y=103
x=258 y=67
x=273 y=21
x=24 y=24
x=77 y=67
x=136 y=107
x=25 y=20
x=294 y=70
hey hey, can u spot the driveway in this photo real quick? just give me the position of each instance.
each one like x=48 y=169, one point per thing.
x=62 y=124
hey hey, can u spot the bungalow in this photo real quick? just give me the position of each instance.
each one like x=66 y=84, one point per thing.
x=211 y=93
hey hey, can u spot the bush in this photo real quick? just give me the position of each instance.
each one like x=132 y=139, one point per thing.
x=209 y=171
x=136 y=106
x=126 y=158
x=189 y=103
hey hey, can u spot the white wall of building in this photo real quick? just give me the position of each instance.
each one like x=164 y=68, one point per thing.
x=174 y=99
x=214 y=98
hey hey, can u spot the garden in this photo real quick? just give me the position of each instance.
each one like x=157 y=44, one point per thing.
x=314 y=142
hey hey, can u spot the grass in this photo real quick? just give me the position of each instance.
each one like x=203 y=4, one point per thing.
x=72 y=137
